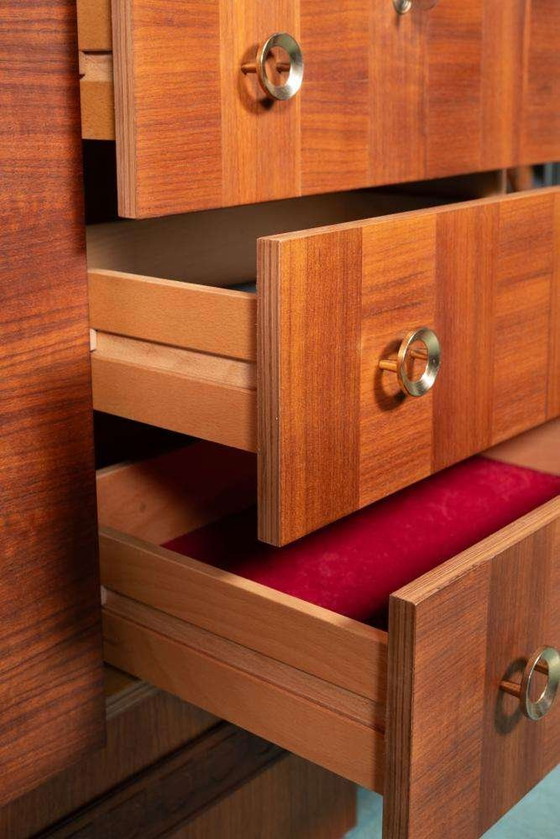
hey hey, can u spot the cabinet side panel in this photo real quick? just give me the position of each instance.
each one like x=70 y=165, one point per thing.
x=51 y=708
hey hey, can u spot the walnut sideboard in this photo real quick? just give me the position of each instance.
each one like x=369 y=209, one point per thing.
x=302 y=251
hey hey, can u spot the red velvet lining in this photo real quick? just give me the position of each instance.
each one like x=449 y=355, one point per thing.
x=353 y=565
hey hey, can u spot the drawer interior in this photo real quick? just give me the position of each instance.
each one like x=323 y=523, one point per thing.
x=261 y=635
x=218 y=247
x=351 y=566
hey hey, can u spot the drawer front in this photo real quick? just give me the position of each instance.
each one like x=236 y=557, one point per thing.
x=456 y=635
x=335 y=430
x=385 y=98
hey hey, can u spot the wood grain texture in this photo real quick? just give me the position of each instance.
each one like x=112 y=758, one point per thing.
x=540 y=126
x=175 y=400
x=252 y=663
x=161 y=799
x=292 y=798
x=335 y=301
x=156 y=500
x=51 y=695
x=536 y=449
x=298 y=320
x=247 y=613
x=454 y=635
x=553 y=401
x=177 y=492
x=211 y=368
x=463 y=87
x=211 y=320
x=97 y=102
x=94 y=25
x=143 y=726
x=304 y=727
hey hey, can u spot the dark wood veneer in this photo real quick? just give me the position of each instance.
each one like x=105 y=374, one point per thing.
x=51 y=695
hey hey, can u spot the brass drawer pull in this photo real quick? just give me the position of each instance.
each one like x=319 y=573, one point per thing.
x=431 y=353
x=294 y=66
x=404 y=6
x=544 y=660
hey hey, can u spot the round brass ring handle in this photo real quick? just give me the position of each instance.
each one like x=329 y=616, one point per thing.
x=537 y=709
x=431 y=354
x=294 y=66
x=404 y=6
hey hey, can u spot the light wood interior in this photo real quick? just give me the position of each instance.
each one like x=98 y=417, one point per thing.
x=218 y=247
x=226 y=643
x=175 y=342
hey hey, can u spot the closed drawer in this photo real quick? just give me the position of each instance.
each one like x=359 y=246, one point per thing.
x=405 y=711
x=294 y=373
x=462 y=87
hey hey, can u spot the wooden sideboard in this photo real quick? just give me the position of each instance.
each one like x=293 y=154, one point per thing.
x=329 y=285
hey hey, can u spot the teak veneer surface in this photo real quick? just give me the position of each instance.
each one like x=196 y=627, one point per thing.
x=335 y=432
x=462 y=87
x=51 y=692
x=455 y=634
x=143 y=726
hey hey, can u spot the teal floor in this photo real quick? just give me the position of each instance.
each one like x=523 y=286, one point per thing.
x=537 y=816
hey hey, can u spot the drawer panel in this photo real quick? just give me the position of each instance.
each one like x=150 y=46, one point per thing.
x=224 y=642
x=335 y=431
x=385 y=98
x=456 y=635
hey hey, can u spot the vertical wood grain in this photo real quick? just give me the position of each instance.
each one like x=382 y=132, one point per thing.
x=465 y=277
x=51 y=694
x=454 y=635
x=553 y=399
x=336 y=99
x=540 y=128
x=504 y=36
x=334 y=302
x=398 y=287
x=398 y=75
x=309 y=302
x=462 y=87
x=453 y=101
x=260 y=137
x=167 y=89
x=523 y=277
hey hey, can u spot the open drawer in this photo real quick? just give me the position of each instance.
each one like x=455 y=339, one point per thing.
x=298 y=372
x=404 y=712
x=384 y=98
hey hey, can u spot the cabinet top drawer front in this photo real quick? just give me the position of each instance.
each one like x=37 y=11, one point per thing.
x=336 y=431
x=384 y=98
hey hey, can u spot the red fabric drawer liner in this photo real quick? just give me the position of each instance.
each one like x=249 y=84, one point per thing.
x=353 y=565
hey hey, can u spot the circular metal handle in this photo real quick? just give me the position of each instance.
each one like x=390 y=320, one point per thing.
x=431 y=355
x=404 y=6
x=544 y=660
x=294 y=66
